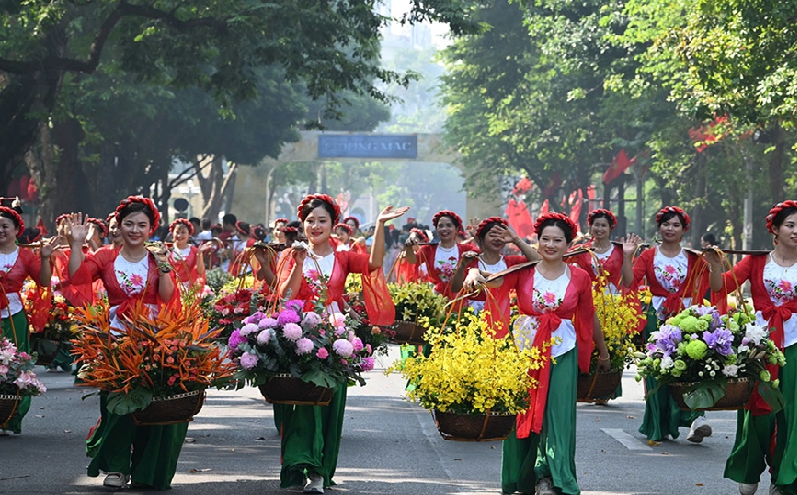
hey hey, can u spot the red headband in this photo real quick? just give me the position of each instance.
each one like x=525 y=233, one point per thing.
x=281 y=220
x=790 y=203
x=99 y=223
x=421 y=234
x=344 y=226
x=552 y=215
x=182 y=221
x=354 y=219
x=674 y=209
x=600 y=211
x=323 y=197
x=446 y=213
x=146 y=202
x=489 y=221
x=62 y=216
x=239 y=228
x=290 y=228
x=16 y=217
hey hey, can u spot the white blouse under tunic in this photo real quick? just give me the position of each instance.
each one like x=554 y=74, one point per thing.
x=548 y=296
x=781 y=285
x=312 y=264
x=132 y=278
x=597 y=267
x=495 y=268
x=7 y=262
x=671 y=273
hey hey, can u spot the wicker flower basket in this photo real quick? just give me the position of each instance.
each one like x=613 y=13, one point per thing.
x=408 y=332
x=286 y=389
x=8 y=407
x=170 y=409
x=598 y=386
x=473 y=428
x=46 y=349
x=737 y=393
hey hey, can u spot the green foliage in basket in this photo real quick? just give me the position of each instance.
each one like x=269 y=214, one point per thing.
x=215 y=278
x=416 y=300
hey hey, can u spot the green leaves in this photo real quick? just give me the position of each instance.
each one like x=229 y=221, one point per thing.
x=121 y=404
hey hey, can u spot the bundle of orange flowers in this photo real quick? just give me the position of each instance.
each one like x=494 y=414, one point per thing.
x=154 y=355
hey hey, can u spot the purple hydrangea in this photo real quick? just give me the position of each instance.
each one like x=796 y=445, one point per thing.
x=704 y=310
x=367 y=364
x=235 y=339
x=667 y=339
x=254 y=318
x=719 y=340
x=295 y=305
x=304 y=346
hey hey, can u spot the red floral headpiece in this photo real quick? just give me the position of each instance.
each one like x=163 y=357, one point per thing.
x=99 y=223
x=15 y=216
x=146 y=202
x=552 y=215
x=354 y=219
x=323 y=197
x=489 y=221
x=789 y=203
x=447 y=213
x=62 y=216
x=281 y=220
x=289 y=228
x=421 y=234
x=239 y=226
x=674 y=209
x=182 y=221
x=602 y=211
x=345 y=227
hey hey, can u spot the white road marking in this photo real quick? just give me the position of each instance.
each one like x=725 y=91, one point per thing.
x=624 y=438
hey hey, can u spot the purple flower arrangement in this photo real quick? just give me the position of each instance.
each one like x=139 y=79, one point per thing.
x=701 y=346
x=320 y=347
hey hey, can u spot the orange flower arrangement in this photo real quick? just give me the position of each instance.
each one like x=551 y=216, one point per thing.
x=161 y=354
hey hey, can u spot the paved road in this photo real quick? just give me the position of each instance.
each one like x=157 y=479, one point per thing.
x=389 y=447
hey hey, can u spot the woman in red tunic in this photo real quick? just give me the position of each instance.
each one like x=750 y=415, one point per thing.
x=539 y=456
x=763 y=438
x=346 y=242
x=671 y=273
x=310 y=434
x=131 y=275
x=441 y=259
x=187 y=259
x=405 y=272
x=16 y=265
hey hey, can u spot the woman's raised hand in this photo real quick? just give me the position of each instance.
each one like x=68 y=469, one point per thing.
x=48 y=246
x=389 y=213
x=630 y=244
x=78 y=229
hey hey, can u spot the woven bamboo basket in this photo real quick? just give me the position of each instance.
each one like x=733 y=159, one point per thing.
x=286 y=389
x=473 y=428
x=8 y=407
x=737 y=393
x=408 y=332
x=170 y=409
x=46 y=349
x=598 y=386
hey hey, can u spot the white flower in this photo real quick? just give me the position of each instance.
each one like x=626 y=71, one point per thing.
x=263 y=337
x=730 y=370
x=742 y=348
x=667 y=362
x=249 y=328
x=337 y=319
x=755 y=333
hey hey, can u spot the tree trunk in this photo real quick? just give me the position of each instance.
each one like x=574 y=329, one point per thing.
x=776 y=164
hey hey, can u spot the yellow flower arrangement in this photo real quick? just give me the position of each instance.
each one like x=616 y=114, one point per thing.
x=471 y=372
x=619 y=319
x=416 y=300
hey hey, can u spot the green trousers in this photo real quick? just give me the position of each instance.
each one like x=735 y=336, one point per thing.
x=148 y=454
x=662 y=415
x=311 y=440
x=552 y=452
x=752 y=450
x=19 y=336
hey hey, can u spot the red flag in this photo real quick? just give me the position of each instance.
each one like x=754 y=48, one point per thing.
x=519 y=218
x=546 y=207
x=41 y=227
x=523 y=186
x=619 y=165
x=576 y=200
